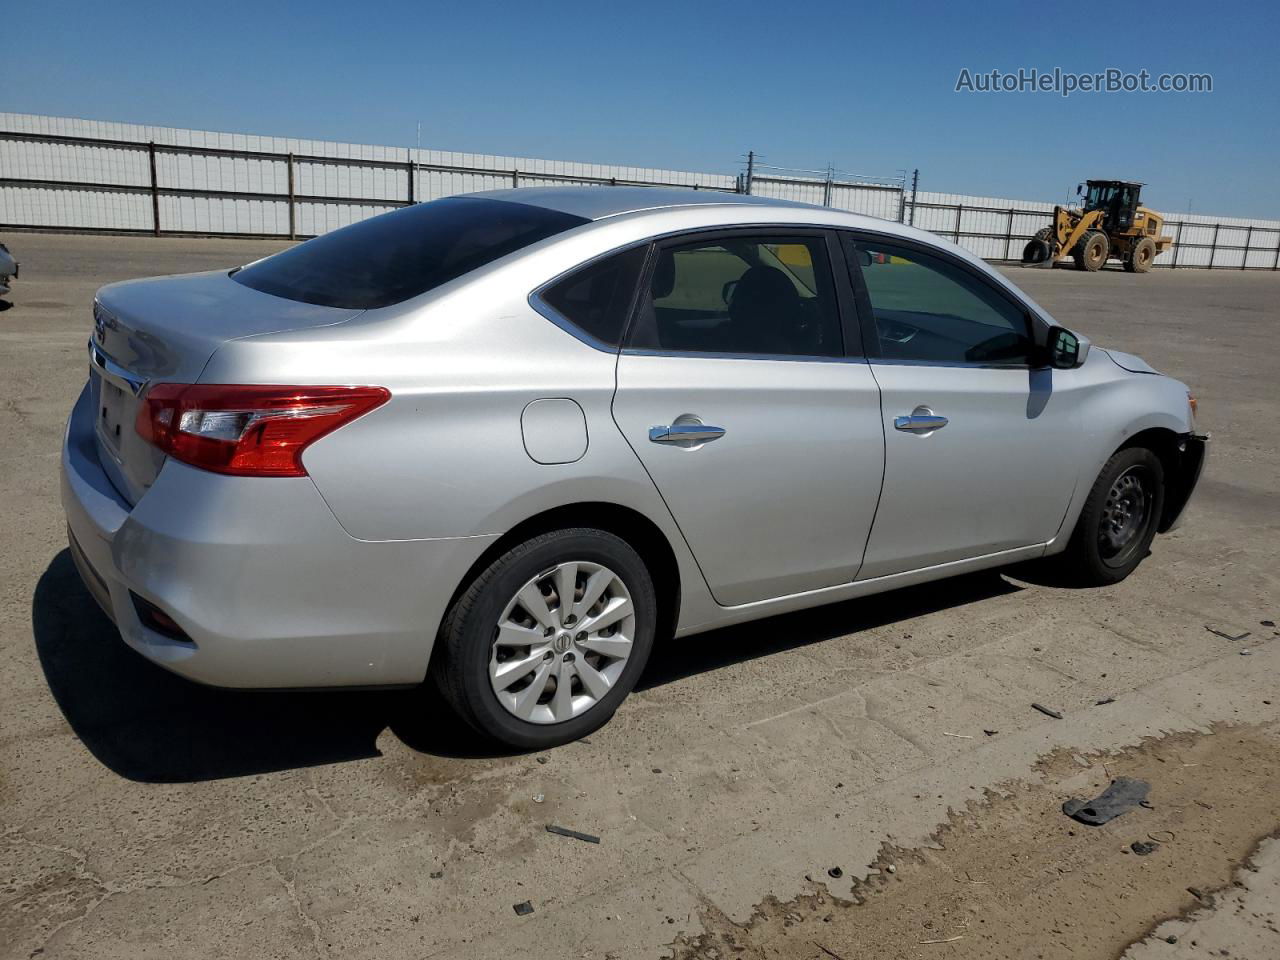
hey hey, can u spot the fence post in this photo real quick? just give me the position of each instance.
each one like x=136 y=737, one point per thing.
x=826 y=190
x=1248 y=238
x=409 y=167
x=751 y=168
x=959 y=213
x=293 y=216
x=915 y=183
x=1213 y=247
x=155 y=189
x=1008 y=234
x=515 y=178
x=1275 y=264
x=1177 y=242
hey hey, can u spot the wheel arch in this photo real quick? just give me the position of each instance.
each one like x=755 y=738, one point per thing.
x=645 y=536
x=1170 y=447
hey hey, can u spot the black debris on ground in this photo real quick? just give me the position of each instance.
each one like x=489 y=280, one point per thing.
x=566 y=832
x=1046 y=711
x=1224 y=635
x=523 y=909
x=1123 y=795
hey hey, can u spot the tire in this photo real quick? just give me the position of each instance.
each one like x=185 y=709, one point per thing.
x=1141 y=256
x=1091 y=251
x=504 y=704
x=1038 y=248
x=1109 y=541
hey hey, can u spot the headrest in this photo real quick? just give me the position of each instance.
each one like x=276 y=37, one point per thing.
x=664 y=276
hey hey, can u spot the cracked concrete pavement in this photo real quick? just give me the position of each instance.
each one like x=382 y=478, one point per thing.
x=141 y=815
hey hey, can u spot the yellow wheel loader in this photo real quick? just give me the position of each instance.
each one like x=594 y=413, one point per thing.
x=1109 y=224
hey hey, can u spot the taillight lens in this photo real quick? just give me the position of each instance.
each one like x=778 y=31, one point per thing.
x=247 y=430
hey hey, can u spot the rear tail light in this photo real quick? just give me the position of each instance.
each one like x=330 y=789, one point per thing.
x=246 y=430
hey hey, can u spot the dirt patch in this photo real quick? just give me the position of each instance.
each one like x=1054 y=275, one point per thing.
x=1012 y=877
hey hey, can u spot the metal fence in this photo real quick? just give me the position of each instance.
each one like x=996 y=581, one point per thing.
x=1000 y=232
x=284 y=187
x=63 y=174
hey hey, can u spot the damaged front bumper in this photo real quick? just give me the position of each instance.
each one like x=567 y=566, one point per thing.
x=1181 y=483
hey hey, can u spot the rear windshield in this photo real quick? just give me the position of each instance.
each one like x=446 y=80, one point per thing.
x=398 y=255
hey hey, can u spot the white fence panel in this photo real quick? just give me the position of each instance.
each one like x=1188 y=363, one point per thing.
x=71 y=184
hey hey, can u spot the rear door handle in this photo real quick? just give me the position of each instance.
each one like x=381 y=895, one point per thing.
x=919 y=423
x=685 y=433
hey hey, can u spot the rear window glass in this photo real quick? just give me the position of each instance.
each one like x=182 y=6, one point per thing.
x=398 y=255
x=598 y=297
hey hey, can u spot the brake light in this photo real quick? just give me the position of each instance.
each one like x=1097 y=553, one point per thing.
x=248 y=430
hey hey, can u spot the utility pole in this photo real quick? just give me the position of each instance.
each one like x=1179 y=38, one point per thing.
x=751 y=168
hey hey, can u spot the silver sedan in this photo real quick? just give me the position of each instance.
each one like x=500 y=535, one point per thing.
x=509 y=441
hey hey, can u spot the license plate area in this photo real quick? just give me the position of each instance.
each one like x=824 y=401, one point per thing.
x=113 y=413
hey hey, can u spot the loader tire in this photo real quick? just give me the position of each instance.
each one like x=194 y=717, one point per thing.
x=1091 y=252
x=1141 y=256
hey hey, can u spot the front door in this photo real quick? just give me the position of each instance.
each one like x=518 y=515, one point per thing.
x=978 y=457
x=761 y=433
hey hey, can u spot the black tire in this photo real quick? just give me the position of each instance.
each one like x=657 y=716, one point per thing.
x=1038 y=248
x=465 y=647
x=1141 y=256
x=1091 y=252
x=1103 y=549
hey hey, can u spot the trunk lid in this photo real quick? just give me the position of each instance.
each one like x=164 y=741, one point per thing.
x=165 y=330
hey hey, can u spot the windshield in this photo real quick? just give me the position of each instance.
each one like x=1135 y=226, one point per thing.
x=1100 y=195
x=398 y=255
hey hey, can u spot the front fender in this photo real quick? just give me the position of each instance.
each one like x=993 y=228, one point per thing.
x=1115 y=406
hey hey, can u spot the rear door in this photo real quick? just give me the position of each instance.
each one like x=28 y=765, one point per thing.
x=978 y=439
x=751 y=407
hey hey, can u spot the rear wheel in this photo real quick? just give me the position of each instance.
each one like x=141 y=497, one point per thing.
x=1119 y=519
x=546 y=642
x=1091 y=251
x=1141 y=256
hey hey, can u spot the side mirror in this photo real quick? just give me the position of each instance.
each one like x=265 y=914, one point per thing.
x=1079 y=189
x=1063 y=349
x=864 y=257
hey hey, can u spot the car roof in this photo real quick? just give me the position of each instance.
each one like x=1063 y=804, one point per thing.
x=598 y=202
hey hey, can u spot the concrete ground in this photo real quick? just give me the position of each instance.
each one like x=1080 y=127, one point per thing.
x=142 y=816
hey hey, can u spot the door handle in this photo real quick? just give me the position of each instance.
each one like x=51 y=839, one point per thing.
x=689 y=433
x=919 y=423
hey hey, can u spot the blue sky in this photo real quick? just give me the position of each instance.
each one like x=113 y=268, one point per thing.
x=868 y=87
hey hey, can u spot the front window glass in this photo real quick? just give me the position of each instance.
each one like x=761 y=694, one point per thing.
x=927 y=309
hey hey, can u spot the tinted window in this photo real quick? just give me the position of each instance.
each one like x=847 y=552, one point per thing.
x=598 y=297
x=767 y=295
x=928 y=309
x=399 y=255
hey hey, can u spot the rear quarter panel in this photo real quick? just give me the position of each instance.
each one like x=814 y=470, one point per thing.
x=446 y=456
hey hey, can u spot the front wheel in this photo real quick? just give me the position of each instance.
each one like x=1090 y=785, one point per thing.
x=1091 y=251
x=545 y=643
x=1119 y=519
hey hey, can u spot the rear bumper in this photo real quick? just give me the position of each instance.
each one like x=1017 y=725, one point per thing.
x=258 y=573
x=1193 y=450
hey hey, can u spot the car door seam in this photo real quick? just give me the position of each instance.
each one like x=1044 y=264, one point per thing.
x=884 y=470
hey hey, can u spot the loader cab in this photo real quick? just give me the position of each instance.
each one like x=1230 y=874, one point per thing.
x=1118 y=201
